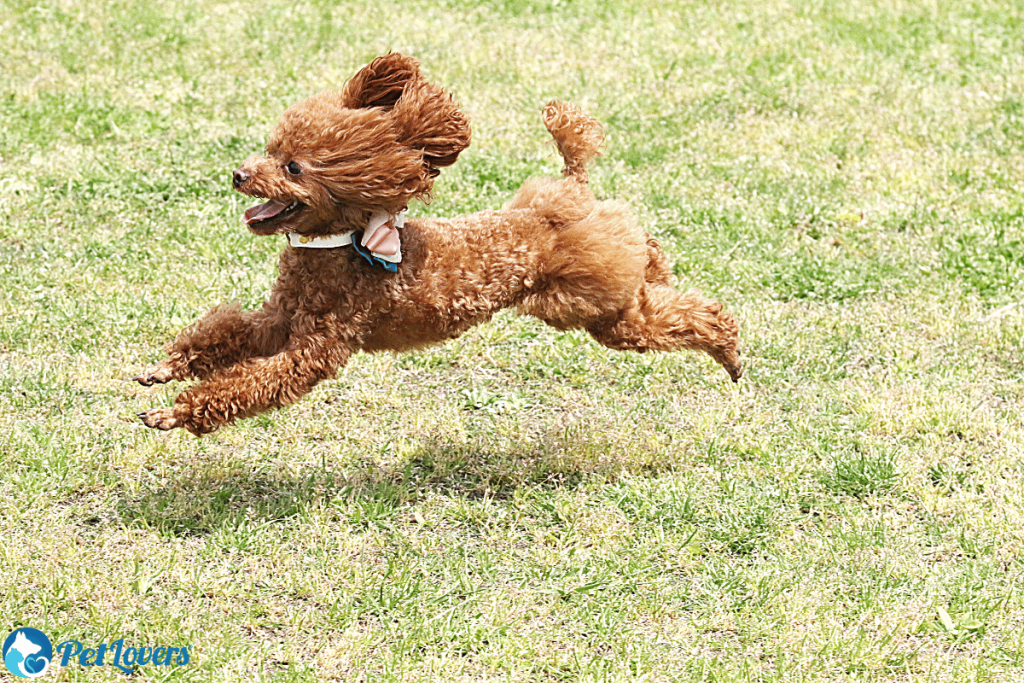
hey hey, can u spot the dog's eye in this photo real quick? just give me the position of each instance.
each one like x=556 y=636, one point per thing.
x=294 y=168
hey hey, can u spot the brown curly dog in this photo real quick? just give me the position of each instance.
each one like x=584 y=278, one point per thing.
x=340 y=169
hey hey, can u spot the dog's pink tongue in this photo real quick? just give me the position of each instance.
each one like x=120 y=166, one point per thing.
x=263 y=212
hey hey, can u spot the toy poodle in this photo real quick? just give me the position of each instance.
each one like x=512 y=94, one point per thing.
x=340 y=170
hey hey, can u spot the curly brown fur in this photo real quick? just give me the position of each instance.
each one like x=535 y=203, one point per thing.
x=554 y=252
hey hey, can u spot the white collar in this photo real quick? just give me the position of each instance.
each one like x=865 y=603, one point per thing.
x=299 y=241
x=379 y=219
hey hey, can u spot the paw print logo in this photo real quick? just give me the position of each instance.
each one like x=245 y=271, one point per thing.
x=27 y=653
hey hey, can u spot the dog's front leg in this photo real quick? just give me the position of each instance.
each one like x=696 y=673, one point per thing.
x=252 y=386
x=222 y=337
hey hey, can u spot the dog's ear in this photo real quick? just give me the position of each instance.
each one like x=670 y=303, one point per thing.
x=425 y=118
x=428 y=120
x=381 y=82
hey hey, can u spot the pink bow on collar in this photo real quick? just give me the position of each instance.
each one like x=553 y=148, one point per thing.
x=381 y=234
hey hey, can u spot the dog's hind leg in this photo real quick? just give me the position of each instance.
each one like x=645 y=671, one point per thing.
x=223 y=337
x=662 y=319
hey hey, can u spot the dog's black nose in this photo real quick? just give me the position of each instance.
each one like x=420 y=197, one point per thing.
x=239 y=178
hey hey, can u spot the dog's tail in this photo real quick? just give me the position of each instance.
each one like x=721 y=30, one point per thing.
x=578 y=136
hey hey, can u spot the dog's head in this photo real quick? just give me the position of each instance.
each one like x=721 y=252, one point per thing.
x=333 y=158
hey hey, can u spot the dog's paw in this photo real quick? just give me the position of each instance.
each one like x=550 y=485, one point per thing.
x=158 y=373
x=160 y=418
x=730 y=360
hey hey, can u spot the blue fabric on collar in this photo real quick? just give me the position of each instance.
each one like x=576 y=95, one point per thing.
x=370 y=258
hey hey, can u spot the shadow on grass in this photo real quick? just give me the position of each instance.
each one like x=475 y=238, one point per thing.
x=205 y=498
x=201 y=500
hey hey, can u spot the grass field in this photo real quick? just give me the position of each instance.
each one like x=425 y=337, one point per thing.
x=522 y=504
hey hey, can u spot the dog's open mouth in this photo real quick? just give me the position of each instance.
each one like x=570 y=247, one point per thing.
x=269 y=213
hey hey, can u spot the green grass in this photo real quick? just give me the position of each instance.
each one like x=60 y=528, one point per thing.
x=522 y=504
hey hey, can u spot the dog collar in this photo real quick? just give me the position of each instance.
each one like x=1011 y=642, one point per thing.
x=319 y=241
x=380 y=242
